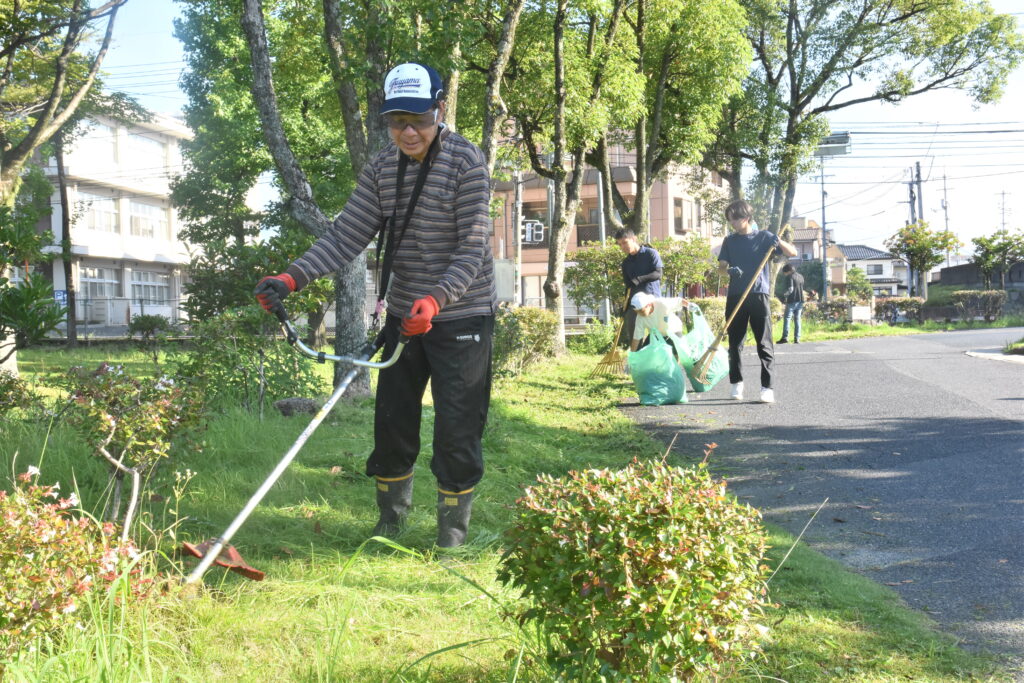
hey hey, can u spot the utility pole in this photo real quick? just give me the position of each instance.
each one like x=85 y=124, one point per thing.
x=835 y=144
x=913 y=219
x=945 y=210
x=517 y=223
x=923 y=277
x=824 y=237
x=606 y=311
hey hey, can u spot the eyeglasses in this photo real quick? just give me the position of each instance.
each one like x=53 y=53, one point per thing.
x=418 y=121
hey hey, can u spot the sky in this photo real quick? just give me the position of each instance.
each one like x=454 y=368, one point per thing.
x=972 y=157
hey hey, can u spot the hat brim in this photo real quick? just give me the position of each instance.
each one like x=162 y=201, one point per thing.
x=411 y=105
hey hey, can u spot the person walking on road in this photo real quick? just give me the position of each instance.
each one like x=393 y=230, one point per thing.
x=641 y=272
x=793 y=297
x=741 y=254
x=441 y=294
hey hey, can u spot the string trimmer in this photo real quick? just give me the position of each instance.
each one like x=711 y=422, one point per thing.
x=700 y=368
x=216 y=550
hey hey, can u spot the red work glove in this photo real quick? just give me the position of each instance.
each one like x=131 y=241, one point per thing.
x=272 y=289
x=418 y=320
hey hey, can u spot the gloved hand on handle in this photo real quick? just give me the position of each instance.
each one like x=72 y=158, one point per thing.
x=272 y=289
x=735 y=271
x=422 y=312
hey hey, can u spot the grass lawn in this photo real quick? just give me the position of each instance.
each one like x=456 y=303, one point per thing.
x=332 y=609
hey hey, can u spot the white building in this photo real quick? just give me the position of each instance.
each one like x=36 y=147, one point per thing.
x=127 y=256
x=887 y=273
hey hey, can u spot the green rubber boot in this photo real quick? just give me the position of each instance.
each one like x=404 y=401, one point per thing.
x=453 y=511
x=394 y=498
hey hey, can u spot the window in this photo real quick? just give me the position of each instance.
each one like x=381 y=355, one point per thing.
x=149 y=287
x=145 y=151
x=99 y=212
x=874 y=269
x=99 y=283
x=98 y=145
x=148 y=220
x=16 y=274
x=677 y=214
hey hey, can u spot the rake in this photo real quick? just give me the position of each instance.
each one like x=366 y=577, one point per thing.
x=700 y=368
x=613 y=362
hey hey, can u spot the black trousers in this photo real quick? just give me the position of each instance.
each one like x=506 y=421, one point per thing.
x=756 y=311
x=455 y=356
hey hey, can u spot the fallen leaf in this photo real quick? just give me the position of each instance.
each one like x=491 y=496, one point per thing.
x=892 y=583
x=862 y=507
x=336 y=470
x=308 y=514
x=1003 y=561
x=895 y=453
x=908 y=581
x=841 y=521
x=316 y=528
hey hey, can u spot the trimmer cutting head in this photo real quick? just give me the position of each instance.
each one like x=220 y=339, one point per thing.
x=228 y=557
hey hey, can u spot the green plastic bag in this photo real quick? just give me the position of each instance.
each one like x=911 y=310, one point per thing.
x=656 y=374
x=693 y=345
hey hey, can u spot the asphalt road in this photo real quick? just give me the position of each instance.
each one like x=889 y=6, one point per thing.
x=919 y=448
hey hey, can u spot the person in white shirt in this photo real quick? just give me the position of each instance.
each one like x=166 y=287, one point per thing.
x=656 y=313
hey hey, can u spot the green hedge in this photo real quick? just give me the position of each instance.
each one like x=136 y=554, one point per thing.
x=523 y=335
x=971 y=303
x=909 y=306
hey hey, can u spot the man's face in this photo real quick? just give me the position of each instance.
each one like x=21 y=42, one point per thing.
x=628 y=245
x=413 y=133
x=740 y=224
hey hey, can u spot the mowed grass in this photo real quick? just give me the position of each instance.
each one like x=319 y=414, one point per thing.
x=334 y=609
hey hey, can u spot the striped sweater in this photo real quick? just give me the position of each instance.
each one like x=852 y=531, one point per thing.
x=446 y=248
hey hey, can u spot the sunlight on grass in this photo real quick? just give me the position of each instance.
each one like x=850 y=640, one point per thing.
x=310 y=621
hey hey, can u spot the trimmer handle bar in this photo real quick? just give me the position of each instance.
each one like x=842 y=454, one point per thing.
x=361 y=361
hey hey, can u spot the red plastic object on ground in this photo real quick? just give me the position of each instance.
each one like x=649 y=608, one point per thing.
x=228 y=557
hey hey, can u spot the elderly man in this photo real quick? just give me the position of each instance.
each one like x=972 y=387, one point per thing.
x=441 y=294
x=655 y=313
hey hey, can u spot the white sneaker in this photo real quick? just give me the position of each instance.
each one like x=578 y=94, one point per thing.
x=767 y=395
x=737 y=391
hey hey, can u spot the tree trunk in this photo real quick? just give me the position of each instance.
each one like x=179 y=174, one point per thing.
x=65 y=241
x=496 y=111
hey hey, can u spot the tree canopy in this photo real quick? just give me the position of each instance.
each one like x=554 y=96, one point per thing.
x=819 y=56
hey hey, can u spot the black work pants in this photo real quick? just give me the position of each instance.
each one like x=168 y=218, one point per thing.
x=455 y=356
x=755 y=311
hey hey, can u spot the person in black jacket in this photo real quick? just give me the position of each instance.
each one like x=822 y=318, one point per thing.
x=641 y=272
x=793 y=297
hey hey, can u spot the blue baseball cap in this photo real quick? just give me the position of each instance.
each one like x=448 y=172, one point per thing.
x=413 y=88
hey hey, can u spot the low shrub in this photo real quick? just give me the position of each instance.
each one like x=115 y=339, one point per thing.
x=131 y=423
x=597 y=338
x=887 y=308
x=152 y=330
x=972 y=303
x=236 y=364
x=650 y=572
x=14 y=393
x=523 y=335
x=49 y=560
x=835 y=310
x=713 y=309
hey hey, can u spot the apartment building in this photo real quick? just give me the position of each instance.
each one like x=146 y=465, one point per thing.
x=674 y=214
x=127 y=256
